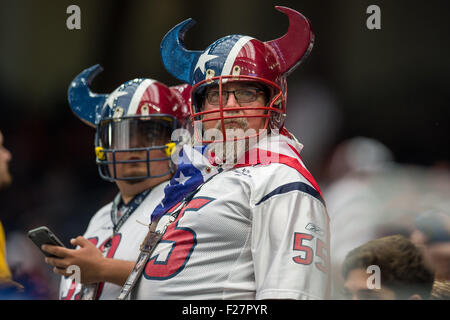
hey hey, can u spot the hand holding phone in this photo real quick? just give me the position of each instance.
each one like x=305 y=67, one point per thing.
x=43 y=235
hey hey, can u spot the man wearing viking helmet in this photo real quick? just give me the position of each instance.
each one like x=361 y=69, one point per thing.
x=133 y=146
x=259 y=229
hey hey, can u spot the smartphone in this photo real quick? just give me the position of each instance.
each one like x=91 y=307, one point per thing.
x=43 y=235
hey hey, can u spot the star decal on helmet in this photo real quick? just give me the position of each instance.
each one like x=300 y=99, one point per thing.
x=202 y=60
x=113 y=96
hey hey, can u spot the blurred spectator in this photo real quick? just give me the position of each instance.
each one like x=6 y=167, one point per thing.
x=7 y=285
x=5 y=180
x=403 y=271
x=432 y=234
x=441 y=290
x=359 y=157
x=5 y=157
x=370 y=196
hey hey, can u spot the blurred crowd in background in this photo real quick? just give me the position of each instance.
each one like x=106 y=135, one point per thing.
x=370 y=106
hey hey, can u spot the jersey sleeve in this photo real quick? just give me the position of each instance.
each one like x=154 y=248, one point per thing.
x=290 y=239
x=68 y=289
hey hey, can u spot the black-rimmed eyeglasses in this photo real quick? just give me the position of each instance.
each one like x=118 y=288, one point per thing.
x=246 y=95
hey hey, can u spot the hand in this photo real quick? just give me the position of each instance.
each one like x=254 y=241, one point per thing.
x=88 y=258
x=8 y=284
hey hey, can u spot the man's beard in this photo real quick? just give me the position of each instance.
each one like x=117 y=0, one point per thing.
x=230 y=152
x=241 y=123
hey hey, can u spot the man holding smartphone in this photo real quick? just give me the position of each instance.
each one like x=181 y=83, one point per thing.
x=133 y=146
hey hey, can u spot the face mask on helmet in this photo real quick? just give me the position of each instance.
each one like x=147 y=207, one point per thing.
x=135 y=141
x=134 y=125
x=256 y=106
x=238 y=59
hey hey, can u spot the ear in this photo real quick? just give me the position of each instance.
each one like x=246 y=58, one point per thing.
x=415 y=297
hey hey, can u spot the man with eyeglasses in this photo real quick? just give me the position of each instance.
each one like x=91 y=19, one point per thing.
x=259 y=228
x=242 y=119
x=237 y=95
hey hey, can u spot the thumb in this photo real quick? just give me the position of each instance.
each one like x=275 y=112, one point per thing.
x=80 y=241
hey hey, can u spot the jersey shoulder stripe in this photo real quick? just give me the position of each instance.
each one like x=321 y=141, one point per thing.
x=298 y=186
x=260 y=156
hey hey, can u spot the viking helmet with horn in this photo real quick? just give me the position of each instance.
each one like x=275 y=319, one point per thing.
x=139 y=116
x=240 y=58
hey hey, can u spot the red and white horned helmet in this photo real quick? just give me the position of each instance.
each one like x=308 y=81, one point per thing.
x=144 y=107
x=240 y=58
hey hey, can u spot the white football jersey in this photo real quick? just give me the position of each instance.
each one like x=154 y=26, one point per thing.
x=124 y=244
x=254 y=232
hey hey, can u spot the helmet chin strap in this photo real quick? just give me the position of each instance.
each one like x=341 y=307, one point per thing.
x=99 y=153
x=276 y=121
x=170 y=148
x=171 y=168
